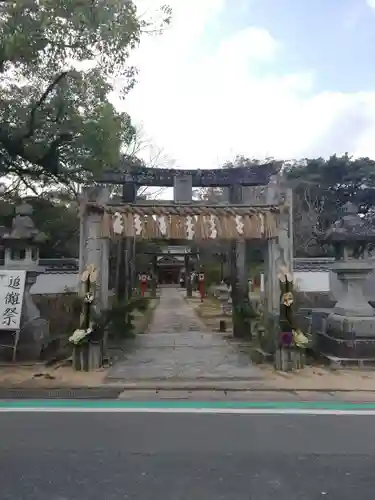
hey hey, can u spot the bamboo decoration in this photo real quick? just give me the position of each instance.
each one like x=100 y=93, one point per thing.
x=87 y=355
x=88 y=280
x=291 y=344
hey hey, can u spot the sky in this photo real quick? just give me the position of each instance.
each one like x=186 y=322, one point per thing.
x=261 y=78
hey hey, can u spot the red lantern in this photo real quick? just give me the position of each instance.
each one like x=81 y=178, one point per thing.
x=143 y=278
x=201 y=285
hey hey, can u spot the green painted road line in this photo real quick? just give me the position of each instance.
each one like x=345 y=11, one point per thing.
x=208 y=405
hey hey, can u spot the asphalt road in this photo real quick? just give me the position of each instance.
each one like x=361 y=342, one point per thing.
x=113 y=456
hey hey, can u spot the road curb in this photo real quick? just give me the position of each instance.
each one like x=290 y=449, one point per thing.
x=98 y=393
x=111 y=392
x=224 y=385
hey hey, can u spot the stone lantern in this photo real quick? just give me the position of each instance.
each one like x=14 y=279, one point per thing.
x=350 y=327
x=21 y=248
x=21 y=244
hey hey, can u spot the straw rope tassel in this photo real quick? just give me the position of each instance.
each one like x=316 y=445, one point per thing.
x=220 y=224
x=150 y=227
x=129 y=225
x=219 y=228
x=190 y=227
x=248 y=227
x=106 y=225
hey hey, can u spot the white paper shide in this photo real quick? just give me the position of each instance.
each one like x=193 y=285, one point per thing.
x=12 y=287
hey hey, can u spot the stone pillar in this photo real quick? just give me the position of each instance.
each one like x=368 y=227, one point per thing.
x=271 y=282
x=183 y=189
x=154 y=276
x=188 y=283
x=129 y=263
x=82 y=232
x=285 y=235
x=279 y=253
x=183 y=193
x=120 y=270
x=104 y=266
x=127 y=255
x=239 y=281
x=96 y=250
x=129 y=192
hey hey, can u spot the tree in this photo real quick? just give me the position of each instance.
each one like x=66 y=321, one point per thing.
x=59 y=60
x=56 y=218
x=143 y=151
x=320 y=188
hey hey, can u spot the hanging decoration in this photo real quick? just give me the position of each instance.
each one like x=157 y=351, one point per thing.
x=191 y=222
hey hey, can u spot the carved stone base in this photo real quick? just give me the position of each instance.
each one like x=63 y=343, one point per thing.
x=349 y=327
x=357 y=348
x=347 y=337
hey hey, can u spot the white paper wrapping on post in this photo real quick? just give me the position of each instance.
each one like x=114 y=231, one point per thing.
x=12 y=288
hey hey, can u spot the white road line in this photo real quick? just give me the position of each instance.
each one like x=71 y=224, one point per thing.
x=201 y=411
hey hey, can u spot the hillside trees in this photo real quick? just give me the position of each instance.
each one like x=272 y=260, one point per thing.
x=320 y=188
x=58 y=63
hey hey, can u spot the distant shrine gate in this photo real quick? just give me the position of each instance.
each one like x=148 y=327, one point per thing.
x=258 y=207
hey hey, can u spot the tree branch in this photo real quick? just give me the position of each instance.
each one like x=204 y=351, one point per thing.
x=41 y=101
x=15 y=147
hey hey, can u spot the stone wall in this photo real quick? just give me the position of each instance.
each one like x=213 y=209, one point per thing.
x=63 y=313
x=320 y=300
x=55 y=283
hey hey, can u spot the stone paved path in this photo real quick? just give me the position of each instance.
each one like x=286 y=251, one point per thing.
x=177 y=346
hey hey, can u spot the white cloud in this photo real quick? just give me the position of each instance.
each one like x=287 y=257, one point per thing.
x=204 y=99
x=371 y=4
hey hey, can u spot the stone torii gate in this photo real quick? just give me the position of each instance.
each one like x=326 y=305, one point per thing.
x=244 y=217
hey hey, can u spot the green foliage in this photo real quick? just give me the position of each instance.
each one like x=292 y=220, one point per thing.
x=212 y=275
x=58 y=220
x=59 y=61
x=118 y=319
x=320 y=188
x=246 y=312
